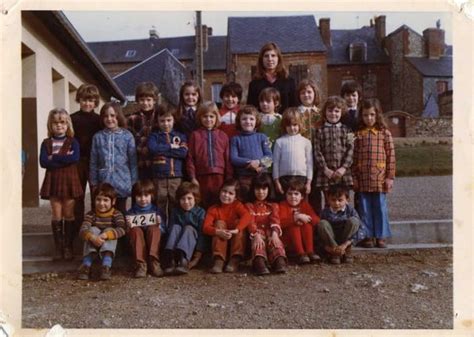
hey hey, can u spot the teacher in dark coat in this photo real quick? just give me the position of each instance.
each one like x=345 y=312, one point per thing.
x=271 y=72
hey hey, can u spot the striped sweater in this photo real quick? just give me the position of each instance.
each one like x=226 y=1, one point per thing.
x=111 y=222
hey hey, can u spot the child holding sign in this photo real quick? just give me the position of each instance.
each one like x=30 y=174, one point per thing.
x=146 y=222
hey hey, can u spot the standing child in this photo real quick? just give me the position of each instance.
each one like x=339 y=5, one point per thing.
x=340 y=226
x=61 y=185
x=226 y=222
x=351 y=92
x=374 y=171
x=269 y=101
x=309 y=99
x=100 y=231
x=297 y=220
x=292 y=154
x=140 y=124
x=265 y=228
x=333 y=147
x=185 y=229
x=169 y=149
x=208 y=161
x=113 y=155
x=230 y=94
x=250 y=151
x=85 y=123
x=146 y=222
x=189 y=101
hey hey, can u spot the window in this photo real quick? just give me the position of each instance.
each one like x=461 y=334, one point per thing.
x=216 y=89
x=130 y=53
x=175 y=52
x=299 y=72
x=441 y=87
x=358 y=52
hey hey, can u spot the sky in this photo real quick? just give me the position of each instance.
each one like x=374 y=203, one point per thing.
x=126 y=25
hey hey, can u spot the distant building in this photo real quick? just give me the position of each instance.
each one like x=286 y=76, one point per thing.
x=55 y=62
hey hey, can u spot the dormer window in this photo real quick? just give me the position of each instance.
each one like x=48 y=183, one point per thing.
x=174 y=52
x=358 y=52
x=131 y=53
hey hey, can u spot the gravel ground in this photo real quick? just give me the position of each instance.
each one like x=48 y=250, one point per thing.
x=394 y=290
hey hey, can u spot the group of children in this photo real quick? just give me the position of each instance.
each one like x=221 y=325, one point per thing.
x=204 y=179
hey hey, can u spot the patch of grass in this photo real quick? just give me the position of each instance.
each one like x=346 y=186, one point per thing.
x=424 y=160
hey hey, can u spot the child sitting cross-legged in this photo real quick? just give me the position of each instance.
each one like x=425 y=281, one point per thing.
x=100 y=231
x=147 y=223
x=340 y=226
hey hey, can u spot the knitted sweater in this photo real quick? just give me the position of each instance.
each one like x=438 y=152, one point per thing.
x=208 y=153
x=246 y=147
x=235 y=216
x=151 y=208
x=86 y=125
x=114 y=160
x=194 y=217
x=340 y=217
x=112 y=222
x=58 y=160
x=169 y=151
x=287 y=213
x=140 y=124
x=292 y=156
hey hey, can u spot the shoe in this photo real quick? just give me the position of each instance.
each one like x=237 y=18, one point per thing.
x=155 y=268
x=140 y=270
x=381 y=243
x=69 y=233
x=259 y=266
x=84 y=272
x=279 y=266
x=367 y=243
x=303 y=259
x=218 y=266
x=195 y=260
x=58 y=237
x=334 y=260
x=233 y=265
x=314 y=258
x=105 y=273
x=182 y=267
x=348 y=258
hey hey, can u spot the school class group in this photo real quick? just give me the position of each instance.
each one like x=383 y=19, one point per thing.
x=264 y=182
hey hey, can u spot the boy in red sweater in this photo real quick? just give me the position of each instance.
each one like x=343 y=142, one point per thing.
x=297 y=220
x=226 y=222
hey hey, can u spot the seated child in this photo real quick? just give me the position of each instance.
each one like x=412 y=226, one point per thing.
x=185 y=228
x=146 y=222
x=297 y=219
x=226 y=222
x=265 y=228
x=100 y=230
x=340 y=226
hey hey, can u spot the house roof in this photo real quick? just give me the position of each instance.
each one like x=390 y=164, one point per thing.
x=338 y=53
x=163 y=69
x=442 y=67
x=248 y=34
x=65 y=32
x=182 y=48
x=403 y=27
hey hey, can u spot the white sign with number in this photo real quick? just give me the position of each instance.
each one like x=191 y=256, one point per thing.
x=146 y=219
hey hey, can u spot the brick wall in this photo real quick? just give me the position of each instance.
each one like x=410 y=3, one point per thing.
x=413 y=90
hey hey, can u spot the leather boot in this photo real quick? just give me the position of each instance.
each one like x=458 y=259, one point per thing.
x=233 y=264
x=57 y=228
x=279 y=266
x=218 y=265
x=69 y=233
x=259 y=266
x=168 y=262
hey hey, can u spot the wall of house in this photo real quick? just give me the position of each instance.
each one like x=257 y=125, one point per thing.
x=49 y=80
x=210 y=78
x=375 y=81
x=412 y=90
x=241 y=65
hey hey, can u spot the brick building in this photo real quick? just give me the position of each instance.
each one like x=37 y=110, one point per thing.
x=297 y=36
x=421 y=71
x=358 y=54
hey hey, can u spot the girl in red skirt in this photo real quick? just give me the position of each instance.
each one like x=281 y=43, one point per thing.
x=58 y=155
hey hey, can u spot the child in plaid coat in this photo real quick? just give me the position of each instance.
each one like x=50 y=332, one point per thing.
x=373 y=171
x=333 y=147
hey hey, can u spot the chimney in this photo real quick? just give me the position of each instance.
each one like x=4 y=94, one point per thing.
x=209 y=31
x=380 y=28
x=434 y=42
x=325 y=31
x=205 y=38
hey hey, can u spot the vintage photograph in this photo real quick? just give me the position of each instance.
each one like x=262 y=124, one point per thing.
x=236 y=170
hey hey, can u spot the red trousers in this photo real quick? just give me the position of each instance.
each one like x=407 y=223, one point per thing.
x=145 y=242
x=300 y=238
x=236 y=243
x=209 y=186
x=268 y=251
